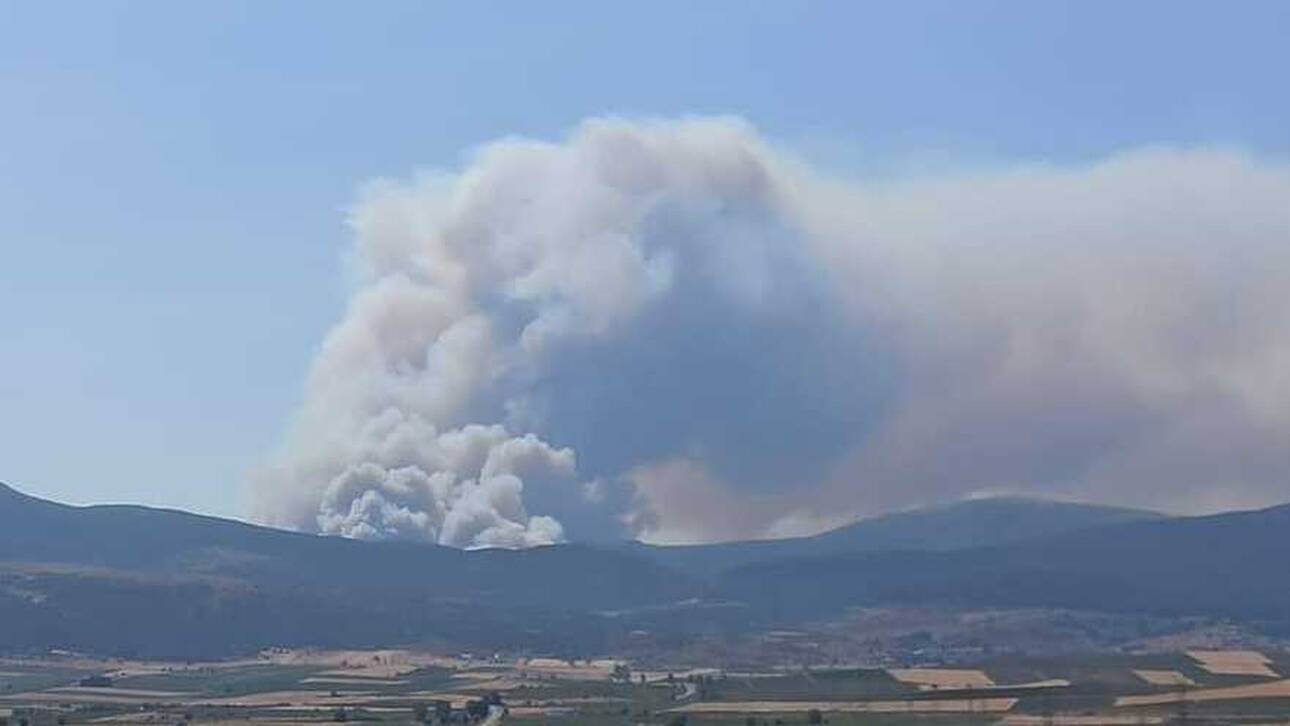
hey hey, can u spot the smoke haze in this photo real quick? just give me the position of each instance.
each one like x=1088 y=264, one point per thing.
x=674 y=331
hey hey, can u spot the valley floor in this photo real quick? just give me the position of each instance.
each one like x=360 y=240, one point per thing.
x=402 y=686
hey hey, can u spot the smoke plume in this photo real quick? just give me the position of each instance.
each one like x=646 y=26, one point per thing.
x=675 y=331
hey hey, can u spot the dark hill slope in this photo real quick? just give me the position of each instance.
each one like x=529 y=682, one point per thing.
x=1231 y=565
x=966 y=524
x=159 y=583
x=167 y=542
x=150 y=582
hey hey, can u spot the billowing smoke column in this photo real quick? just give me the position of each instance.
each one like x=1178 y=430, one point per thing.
x=491 y=302
x=669 y=329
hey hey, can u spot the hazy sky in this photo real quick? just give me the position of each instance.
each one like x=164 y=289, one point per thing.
x=174 y=176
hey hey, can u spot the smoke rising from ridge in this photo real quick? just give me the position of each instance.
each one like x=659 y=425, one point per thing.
x=674 y=328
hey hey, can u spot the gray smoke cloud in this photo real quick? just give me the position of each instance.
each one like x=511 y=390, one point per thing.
x=674 y=330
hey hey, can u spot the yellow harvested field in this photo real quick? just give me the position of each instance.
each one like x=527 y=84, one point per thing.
x=341 y=657
x=553 y=663
x=1164 y=678
x=361 y=663
x=1049 y=683
x=1271 y=689
x=1233 y=662
x=960 y=705
x=579 y=670
x=930 y=678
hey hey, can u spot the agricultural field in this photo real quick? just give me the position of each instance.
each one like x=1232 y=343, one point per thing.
x=395 y=686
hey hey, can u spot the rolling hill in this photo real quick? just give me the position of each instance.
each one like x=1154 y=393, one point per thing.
x=172 y=583
x=961 y=525
x=161 y=542
x=1228 y=565
x=152 y=582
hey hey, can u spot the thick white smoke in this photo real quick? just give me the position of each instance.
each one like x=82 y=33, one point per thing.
x=464 y=486
x=737 y=346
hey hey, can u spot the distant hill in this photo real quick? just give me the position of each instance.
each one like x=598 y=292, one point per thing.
x=152 y=582
x=966 y=524
x=178 y=584
x=1228 y=565
x=167 y=542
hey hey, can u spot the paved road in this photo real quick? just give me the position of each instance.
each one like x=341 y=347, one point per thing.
x=496 y=714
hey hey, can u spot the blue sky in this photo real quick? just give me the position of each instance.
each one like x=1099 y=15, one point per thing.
x=173 y=176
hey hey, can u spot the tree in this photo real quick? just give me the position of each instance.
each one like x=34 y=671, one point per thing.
x=814 y=716
x=421 y=713
x=442 y=711
x=477 y=708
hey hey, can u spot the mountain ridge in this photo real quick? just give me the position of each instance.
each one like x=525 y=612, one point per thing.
x=176 y=584
x=956 y=525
